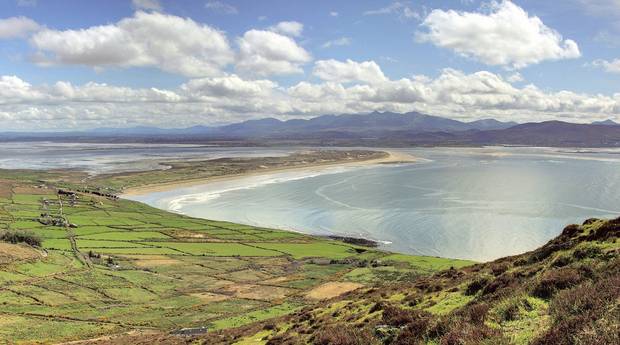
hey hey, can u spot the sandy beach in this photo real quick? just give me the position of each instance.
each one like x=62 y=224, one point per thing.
x=394 y=157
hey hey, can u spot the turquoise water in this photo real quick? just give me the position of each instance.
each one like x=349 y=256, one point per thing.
x=476 y=204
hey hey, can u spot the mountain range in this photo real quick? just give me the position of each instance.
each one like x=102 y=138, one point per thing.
x=374 y=129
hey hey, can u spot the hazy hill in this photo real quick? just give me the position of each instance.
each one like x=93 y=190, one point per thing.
x=374 y=129
x=607 y=122
x=551 y=133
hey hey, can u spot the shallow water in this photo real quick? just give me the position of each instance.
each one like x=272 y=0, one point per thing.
x=476 y=204
x=113 y=158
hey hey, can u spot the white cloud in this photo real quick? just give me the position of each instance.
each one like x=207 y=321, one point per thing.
x=349 y=71
x=182 y=46
x=333 y=14
x=505 y=36
x=229 y=98
x=64 y=105
x=515 y=77
x=608 y=66
x=221 y=7
x=17 y=27
x=229 y=86
x=264 y=53
x=338 y=42
x=457 y=95
x=291 y=28
x=146 y=5
x=400 y=8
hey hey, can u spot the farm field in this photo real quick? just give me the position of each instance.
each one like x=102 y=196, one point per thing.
x=115 y=266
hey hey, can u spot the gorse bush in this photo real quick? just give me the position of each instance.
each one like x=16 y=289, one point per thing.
x=21 y=237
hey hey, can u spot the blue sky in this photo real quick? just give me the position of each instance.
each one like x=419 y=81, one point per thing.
x=81 y=64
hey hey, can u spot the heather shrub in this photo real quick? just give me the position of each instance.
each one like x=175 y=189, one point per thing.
x=587 y=251
x=561 y=260
x=555 y=280
x=476 y=285
x=398 y=317
x=462 y=333
x=344 y=335
x=586 y=314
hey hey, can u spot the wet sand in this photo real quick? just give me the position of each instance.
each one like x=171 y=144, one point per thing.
x=394 y=157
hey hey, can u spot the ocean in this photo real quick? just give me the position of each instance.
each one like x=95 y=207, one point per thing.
x=467 y=203
x=470 y=203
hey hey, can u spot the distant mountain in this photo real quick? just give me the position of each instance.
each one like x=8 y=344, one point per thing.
x=374 y=129
x=608 y=122
x=357 y=123
x=550 y=133
x=354 y=124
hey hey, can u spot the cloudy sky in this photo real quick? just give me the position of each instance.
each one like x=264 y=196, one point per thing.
x=77 y=64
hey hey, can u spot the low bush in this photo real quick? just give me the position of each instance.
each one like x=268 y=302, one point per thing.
x=476 y=286
x=415 y=332
x=398 y=317
x=561 y=260
x=555 y=280
x=464 y=333
x=504 y=281
x=586 y=314
x=344 y=335
x=477 y=313
x=21 y=237
x=587 y=251
x=610 y=229
x=510 y=308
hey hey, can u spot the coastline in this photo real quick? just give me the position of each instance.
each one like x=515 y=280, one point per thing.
x=394 y=157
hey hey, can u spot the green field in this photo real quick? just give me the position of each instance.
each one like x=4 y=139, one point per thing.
x=127 y=266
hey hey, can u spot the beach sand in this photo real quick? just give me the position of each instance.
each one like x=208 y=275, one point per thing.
x=394 y=157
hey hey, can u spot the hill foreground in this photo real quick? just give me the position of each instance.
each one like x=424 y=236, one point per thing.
x=78 y=265
x=566 y=292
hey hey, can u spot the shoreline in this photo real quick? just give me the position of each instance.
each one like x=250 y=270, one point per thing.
x=394 y=157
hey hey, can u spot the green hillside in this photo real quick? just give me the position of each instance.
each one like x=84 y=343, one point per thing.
x=566 y=292
x=99 y=265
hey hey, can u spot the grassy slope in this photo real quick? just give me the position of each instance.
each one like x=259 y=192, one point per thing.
x=566 y=292
x=169 y=271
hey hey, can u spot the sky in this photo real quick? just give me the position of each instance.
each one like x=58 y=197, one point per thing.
x=80 y=64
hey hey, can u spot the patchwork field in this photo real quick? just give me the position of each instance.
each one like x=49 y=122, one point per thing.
x=109 y=266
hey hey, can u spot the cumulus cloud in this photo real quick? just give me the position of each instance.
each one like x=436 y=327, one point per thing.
x=17 y=27
x=338 y=42
x=203 y=100
x=349 y=71
x=458 y=95
x=229 y=86
x=347 y=88
x=291 y=28
x=265 y=53
x=505 y=35
x=333 y=14
x=146 y=5
x=182 y=46
x=221 y=7
x=608 y=66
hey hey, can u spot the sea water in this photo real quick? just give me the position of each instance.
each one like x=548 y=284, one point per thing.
x=471 y=203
